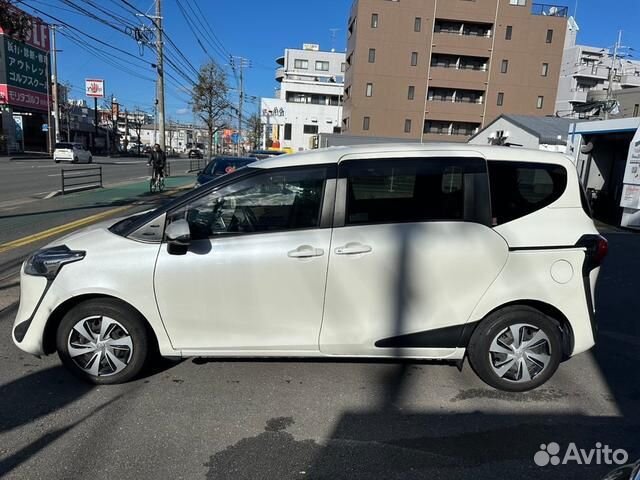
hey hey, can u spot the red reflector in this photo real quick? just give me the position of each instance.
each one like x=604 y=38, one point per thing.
x=602 y=248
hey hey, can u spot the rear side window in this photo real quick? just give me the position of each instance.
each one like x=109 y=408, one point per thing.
x=410 y=190
x=519 y=188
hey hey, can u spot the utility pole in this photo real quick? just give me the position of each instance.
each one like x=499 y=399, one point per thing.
x=612 y=71
x=160 y=81
x=241 y=63
x=54 y=81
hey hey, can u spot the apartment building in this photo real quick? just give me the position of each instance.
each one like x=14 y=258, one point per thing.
x=440 y=70
x=309 y=98
x=587 y=74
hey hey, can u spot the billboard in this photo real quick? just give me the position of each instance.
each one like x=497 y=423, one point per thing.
x=94 y=88
x=24 y=67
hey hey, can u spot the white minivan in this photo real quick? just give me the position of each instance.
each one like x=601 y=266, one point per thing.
x=71 y=152
x=437 y=251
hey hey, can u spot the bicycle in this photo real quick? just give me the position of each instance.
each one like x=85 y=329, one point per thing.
x=156 y=182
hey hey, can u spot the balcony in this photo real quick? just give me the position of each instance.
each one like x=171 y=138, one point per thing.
x=455 y=111
x=630 y=80
x=461 y=78
x=593 y=71
x=461 y=44
x=578 y=96
x=280 y=74
x=547 y=10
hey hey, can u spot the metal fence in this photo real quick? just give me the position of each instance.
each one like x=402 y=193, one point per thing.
x=76 y=179
x=196 y=164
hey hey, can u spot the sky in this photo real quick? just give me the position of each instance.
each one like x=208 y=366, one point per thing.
x=258 y=30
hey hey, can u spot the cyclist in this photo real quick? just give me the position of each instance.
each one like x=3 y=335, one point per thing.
x=158 y=160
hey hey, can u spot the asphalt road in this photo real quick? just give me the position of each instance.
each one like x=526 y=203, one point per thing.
x=201 y=419
x=25 y=180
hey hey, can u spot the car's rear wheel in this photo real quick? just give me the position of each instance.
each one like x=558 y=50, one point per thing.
x=103 y=341
x=516 y=349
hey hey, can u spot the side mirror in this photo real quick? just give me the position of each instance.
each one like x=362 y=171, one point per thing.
x=178 y=237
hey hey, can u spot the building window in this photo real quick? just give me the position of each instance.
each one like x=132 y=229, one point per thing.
x=509 y=33
x=407 y=126
x=636 y=110
x=411 y=94
x=301 y=64
x=417 y=24
x=374 y=20
x=504 y=67
x=311 y=129
x=500 y=99
x=287 y=131
x=343 y=67
x=369 y=91
x=414 y=59
x=540 y=102
x=545 y=69
x=366 y=122
x=372 y=55
x=322 y=66
x=520 y=3
x=549 y=36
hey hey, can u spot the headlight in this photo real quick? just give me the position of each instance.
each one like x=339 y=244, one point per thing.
x=48 y=262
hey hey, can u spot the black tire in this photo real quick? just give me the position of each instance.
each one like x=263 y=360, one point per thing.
x=75 y=160
x=57 y=161
x=121 y=313
x=90 y=159
x=480 y=357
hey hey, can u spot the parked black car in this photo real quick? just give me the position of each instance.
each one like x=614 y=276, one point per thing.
x=195 y=153
x=219 y=166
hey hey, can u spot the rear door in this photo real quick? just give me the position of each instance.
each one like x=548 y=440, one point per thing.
x=411 y=255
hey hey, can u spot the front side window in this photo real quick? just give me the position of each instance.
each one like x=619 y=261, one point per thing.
x=518 y=188
x=267 y=202
x=408 y=190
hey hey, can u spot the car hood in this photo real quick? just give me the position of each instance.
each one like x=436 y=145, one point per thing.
x=83 y=232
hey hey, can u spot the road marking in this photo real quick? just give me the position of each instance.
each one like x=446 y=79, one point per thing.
x=21 y=242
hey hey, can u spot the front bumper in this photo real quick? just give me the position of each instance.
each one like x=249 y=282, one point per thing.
x=28 y=326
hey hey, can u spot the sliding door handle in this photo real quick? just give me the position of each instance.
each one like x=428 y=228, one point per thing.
x=306 y=251
x=353 y=249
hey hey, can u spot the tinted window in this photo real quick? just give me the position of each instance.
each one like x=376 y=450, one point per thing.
x=416 y=190
x=269 y=201
x=518 y=189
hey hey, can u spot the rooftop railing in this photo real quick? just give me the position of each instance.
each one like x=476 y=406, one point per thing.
x=549 y=10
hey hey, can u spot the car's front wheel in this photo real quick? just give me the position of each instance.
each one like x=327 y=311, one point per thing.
x=103 y=341
x=516 y=349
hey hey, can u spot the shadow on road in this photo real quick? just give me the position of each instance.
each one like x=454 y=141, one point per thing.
x=389 y=443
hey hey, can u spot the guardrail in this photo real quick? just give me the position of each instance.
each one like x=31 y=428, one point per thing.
x=77 y=179
x=196 y=164
x=549 y=10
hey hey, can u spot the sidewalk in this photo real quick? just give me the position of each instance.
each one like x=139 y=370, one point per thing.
x=21 y=221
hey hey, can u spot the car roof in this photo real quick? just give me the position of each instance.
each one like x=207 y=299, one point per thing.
x=398 y=150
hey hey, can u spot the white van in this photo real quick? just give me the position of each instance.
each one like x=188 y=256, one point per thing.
x=439 y=251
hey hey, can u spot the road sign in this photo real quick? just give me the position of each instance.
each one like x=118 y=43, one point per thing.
x=45 y=127
x=235 y=138
x=94 y=88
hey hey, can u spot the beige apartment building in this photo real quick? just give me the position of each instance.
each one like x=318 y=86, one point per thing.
x=440 y=70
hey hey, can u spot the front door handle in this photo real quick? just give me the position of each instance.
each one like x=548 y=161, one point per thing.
x=305 y=251
x=353 y=249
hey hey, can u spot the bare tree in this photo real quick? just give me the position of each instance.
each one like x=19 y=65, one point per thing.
x=211 y=99
x=255 y=128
